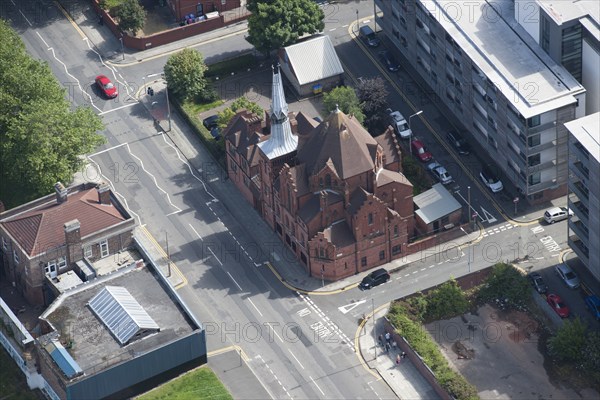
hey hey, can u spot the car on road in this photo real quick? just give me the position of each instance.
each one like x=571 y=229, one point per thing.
x=538 y=283
x=490 y=179
x=458 y=142
x=558 y=305
x=440 y=173
x=567 y=275
x=389 y=61
x=369 y=36
x=593 y=304
x=106 y=86
x=556 y=214
x=375 y=278
x=418 y=149
x=399 y=123
x=210 y=122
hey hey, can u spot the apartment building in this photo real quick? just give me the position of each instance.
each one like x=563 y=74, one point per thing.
x=584 y=190
x=510 y=95
x=569 y=31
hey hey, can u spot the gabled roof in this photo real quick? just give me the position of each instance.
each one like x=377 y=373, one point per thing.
x=386 y=176
x=389 y=143
x=342 y=139
x=435 y=203
x=339 y=234
x=42 y=228
x=313 y=59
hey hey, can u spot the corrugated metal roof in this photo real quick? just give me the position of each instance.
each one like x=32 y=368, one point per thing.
x=121 y=313
x=314 y=59
x=63 y=359
x=435 y=203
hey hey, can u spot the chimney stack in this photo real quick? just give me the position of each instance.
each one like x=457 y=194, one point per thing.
x=61 y=192
x=73 y=241
x=103 y=194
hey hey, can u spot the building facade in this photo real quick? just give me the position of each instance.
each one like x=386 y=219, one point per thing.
x=511 y=97
x=569 y=31
x=584 y=190
x=335 y=195
x=46 y=237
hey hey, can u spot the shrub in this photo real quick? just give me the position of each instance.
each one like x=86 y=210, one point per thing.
x=239 y=104
x=131 y=15
x=446 y=301
x=506 y=282
x=569 y=341
x=184 y=72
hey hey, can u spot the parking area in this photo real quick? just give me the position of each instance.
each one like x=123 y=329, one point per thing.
x=498 y=352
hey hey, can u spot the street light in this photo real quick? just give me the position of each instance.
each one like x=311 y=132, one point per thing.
x=409 y=128
x=374 y=330
x=357 y=26
x=469 y=201
x=122 y=47
x=468 y=251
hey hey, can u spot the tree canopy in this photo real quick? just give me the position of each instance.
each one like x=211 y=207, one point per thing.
x=345 y=98
x=239 y=104
x=131 y=15
x=41 y=137
x=184 y=72
x=372 y=95
x=279 y=23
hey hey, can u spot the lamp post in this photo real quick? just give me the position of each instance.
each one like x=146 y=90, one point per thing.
x=357 y=26
x=409 y=128
x=168 y=105
x=469 y=202
x=468 y=251
x=374 y=18
x=122 y=47
x=374 y=330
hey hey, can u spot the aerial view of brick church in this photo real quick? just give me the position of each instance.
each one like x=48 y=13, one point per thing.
x=334 y=194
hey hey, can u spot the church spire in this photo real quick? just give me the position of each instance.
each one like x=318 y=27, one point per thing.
x=282 y=141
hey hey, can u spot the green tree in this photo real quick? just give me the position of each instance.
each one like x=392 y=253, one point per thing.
x=228 y=113
x=184 y=72
x=569 y=341
x=278 y=23
x=41 y=137
x=506 y=282
x=131 y=15
x=372 y=96
x=446 y=301
x=345 y=98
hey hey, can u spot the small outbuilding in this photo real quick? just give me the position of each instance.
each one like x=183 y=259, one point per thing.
x=436 y=209
x=311 y=65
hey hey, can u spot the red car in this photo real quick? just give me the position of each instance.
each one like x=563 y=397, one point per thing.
x=107 y=87
x=419 y=150
x=558 y=305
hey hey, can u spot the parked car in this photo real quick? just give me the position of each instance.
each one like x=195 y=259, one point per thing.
x=458 y=142
x=389 y=61
x=106 y=86
x=399 y=123
x=556 y=214
x=538 y=283
x=215 y=132
x=375 y=278
x=418 y=149
x=558 y=305
x=369 y=36
x=490 y=179
x=440 y=173
x=593 y=303
x=210 y=122
x=567 y=275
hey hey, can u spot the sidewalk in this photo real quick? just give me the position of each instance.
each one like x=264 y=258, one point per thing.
x=403 y=379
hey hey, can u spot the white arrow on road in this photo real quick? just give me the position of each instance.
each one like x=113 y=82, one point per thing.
x=349 y=307
x=490 y=218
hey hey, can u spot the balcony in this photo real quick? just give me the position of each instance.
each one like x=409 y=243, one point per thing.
x=583 y=169
x=542 y=127
x=543 y=146
x=581 y=152
x=579 y=189
x=538 y=187
x=578 y=173
x=542 y=166
x=580 y=249
x=580 y=229
x=581 y=211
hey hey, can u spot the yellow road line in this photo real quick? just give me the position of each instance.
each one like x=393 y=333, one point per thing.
x=66 y=14
x=356 y=339
x=313 y=293
x=227 y=349
x=184 y=280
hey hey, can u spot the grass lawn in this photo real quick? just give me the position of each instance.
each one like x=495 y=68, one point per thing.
x=13 y=385
x=200 y=383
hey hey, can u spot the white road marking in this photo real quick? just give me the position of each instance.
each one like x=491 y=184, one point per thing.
x=234 y=281
x=488 y=216
x=298 y=361
x=537 y=229
x=251 y=302
x=313 y=381
x=215 y=256
x=332 y=29
x=349 y=307
x=431 y=266
x=332 y=325
x=275 y=332
x=510 y=227
x=117 y=109
x=197 y=234
x=274 y=376
x=423 y=269
x=415 y=272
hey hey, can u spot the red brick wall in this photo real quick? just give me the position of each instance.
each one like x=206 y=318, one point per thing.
x=184 y=7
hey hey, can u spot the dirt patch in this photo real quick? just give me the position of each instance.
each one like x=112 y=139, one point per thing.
x=462 y=352
x=522 y=326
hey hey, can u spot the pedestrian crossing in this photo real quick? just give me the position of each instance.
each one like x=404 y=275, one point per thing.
x=498 y=229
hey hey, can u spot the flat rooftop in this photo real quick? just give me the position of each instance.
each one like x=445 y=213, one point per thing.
x=486 y=30
x=567 y=10
x=586 y=130
x=94 y=348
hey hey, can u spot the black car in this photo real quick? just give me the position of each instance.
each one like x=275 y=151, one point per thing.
x=375 y=278
x=215 y=133
x=210 y=122
x=458 y=142
x=389 y=61
x=538 y=283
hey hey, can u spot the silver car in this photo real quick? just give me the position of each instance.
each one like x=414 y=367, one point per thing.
x=440 y=173
x=567 y=275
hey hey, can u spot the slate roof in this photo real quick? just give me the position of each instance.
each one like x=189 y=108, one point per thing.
x=342 y=139
x=339 y=234
x=389 y=143
x=386 y=176
x=313 y=59
x=242 y=138
x=42 y=228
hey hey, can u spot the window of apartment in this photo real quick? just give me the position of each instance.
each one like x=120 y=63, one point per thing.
x=449 y=76
x=51 y=266
x=62 y=263
x=4 y=243
x=445 y=220
x=396 y=249
x=434 y=77
x=534 y=160
x=449 y=57
x=246 y=181
x=533 y=121
x=233 y=166
x=402 y=20
x=396 y=33
x=493 y=142
x=363 y=262
x=403 y=41
x=395 y=13
x=15 y=257
x=87 y=252
x=395 y=230
x=535 y=178
x=321 y=252
x=545 y=33
x=104 y=248
x=419 y=23
x=382 y=255
x=370 y=218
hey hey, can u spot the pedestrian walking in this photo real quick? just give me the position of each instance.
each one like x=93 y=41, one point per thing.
x=398 y=359
x=394 y=345
x=403 y=355
x=387 y=347
x=380 y=339
x=388 y=337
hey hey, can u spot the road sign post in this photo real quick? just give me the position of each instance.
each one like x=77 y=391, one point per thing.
x=516 y=201
x=474 y=218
